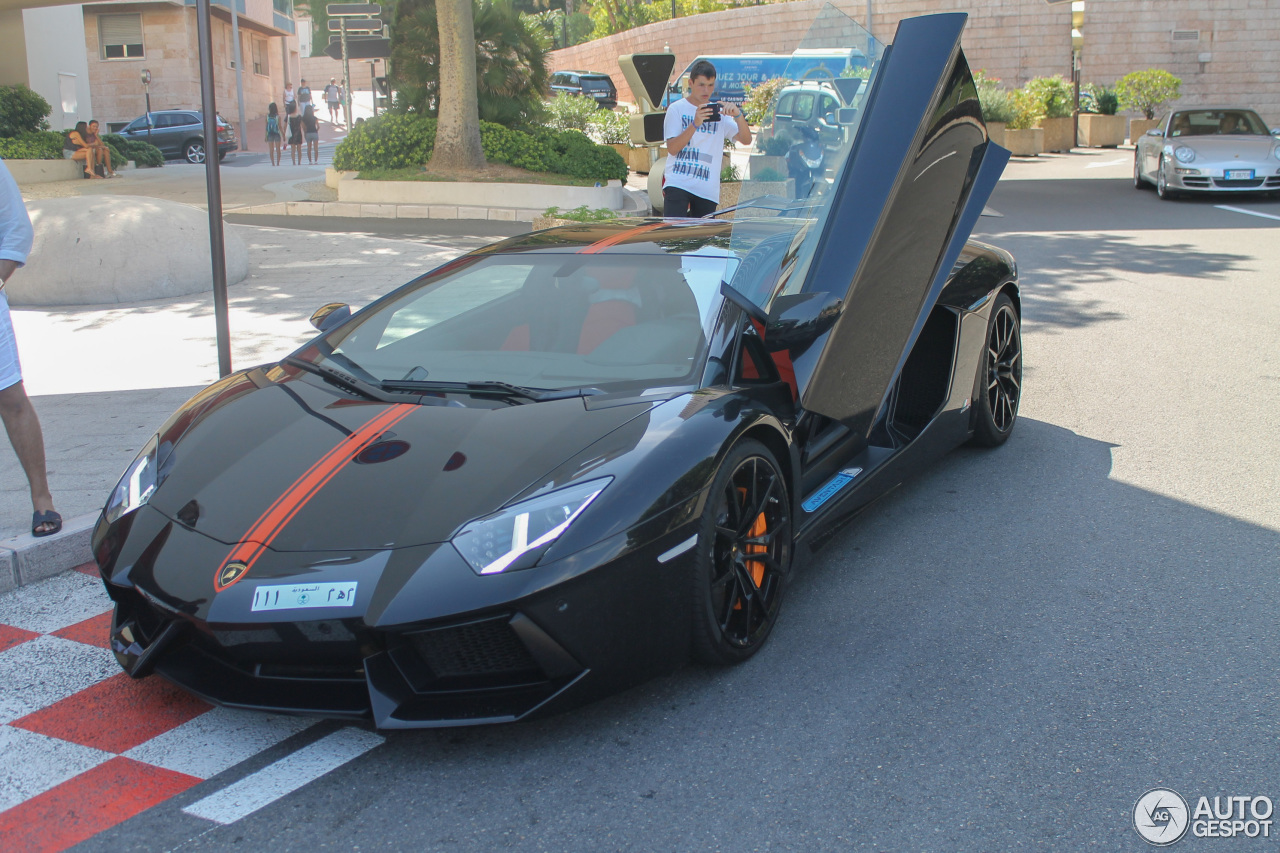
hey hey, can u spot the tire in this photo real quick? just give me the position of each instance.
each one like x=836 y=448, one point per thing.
x=999 y=377
x=193 y=151
x=1162 y=188
x=736 y=600
x=222 y=155
x=1139 y=182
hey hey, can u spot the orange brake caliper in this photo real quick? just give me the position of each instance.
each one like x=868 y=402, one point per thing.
x=758 y=528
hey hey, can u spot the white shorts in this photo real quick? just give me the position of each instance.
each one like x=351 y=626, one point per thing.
x=10 y=369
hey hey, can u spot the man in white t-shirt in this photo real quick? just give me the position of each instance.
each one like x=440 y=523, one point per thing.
x=695 y=146
x=333 y=97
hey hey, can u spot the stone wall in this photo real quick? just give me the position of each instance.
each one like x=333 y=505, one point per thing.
x=1013 y=40
x=1241 y=36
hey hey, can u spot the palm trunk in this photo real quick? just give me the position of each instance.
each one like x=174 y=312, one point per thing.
x=458 y=131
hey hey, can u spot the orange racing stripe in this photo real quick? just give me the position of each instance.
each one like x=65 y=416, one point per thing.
x=294 y=498
x=600 y=245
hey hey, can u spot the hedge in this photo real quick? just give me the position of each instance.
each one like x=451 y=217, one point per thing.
x=394 y=141
x=32 y=145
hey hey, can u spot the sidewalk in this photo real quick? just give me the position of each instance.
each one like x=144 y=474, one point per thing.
x=103 y=379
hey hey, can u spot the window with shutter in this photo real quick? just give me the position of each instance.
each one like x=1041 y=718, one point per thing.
x=120 y=36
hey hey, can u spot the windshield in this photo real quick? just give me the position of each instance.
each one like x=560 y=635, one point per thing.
x=544 y=321
x=808 y=132
x=1217 y=123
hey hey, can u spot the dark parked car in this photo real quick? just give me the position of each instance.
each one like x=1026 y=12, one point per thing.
x=567 y=462
x=590 y=84
x=180 y=133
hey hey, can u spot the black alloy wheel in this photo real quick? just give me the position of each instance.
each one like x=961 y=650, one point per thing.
x=743 y=558
x=194 y=151
x=1000 y=376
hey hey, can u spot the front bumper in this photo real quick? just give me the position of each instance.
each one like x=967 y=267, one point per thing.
x=1211 y=178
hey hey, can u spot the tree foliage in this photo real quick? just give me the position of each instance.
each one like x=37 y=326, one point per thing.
x=1147 y=91
x=22 y=111
x=1055 y=94
x=511 y=61
x=615 y=16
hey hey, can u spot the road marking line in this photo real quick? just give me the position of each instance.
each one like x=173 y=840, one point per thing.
x=216 y=741
x=1248 y=212
x=40 y=672
x=1108 y=163
x=34 y=763
x=285 y=776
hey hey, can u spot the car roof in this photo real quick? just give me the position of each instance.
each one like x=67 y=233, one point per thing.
x=583 y=73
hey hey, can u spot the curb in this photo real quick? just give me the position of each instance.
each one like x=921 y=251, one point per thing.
x=26 y=559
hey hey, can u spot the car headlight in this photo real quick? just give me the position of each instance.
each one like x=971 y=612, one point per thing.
x=1184 y=154
x=136 y=486
x=516 y=537
x=1276 y=153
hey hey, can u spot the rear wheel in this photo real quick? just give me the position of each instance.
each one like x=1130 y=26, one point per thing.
x=1139 y=183
x=1000 y=379
x=193 y=150
x=743 y=557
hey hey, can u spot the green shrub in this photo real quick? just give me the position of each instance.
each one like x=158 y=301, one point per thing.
x=32 y=145
x=140 y=152
x=581 y=214
x=399 y=140
x=729 y=174
x=1055 y=94
x=758 y=106
x=1028 y=110
x=22 y=111
x=1106 y=99
x=996 y=100
x=1147 y=91
x=570 y=112
x=609 y=127
x=770 y=174
x=776 y=146
x=390 y=141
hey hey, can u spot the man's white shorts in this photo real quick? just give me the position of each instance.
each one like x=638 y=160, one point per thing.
x=10 y=369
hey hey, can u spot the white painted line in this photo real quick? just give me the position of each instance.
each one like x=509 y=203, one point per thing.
x=216 y=740
x=284 y=776
x=667 y=556
x=42 y=671
x=55 y=603
x=1247 y=212
x=34 y=763
x=1109 y=163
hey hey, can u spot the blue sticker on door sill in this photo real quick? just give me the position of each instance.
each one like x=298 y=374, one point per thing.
x=828 y=491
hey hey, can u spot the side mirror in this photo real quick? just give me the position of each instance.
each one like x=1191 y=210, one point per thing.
x=799 y=318
x=1155 y=131
x=331 y=315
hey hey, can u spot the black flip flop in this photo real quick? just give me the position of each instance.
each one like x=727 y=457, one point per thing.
x=45 y=516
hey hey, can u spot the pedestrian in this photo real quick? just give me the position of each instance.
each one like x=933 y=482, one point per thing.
x=295 y=139
x=94 y=141
x=695 y=131
x=333 y=98
x=19 y=416
x=311 y=130
x=82 y=150
x=304 y=95
x=274 y=133
x=290 y=100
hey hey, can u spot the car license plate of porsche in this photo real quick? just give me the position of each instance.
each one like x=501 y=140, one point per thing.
x=298 y=596
x=1239 y=174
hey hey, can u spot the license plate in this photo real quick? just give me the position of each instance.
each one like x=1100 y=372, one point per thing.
x=298 y=596
x=1239 y=174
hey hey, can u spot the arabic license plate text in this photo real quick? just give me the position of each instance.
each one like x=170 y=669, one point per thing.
x=296 y=596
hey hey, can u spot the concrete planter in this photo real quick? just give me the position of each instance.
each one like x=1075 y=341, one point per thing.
x=1059 y=134
x=638 y=160
x=737 y=192
x=44 y=171
x=1024 y=143
x=757 y=163
x=1099 y=131
x=995 y=132
x=480 y=195
x=1139 y=126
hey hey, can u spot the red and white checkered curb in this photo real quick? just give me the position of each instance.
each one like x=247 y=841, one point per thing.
x=86 y=747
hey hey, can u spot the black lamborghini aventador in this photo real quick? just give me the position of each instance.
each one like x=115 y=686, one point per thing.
x=572 y=460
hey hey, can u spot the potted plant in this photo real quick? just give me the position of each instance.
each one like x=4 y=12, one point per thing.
x=1056 y=98
x=997 y=105
x=1022 y=135
x=730 y=184
x=773 y=155
x=1103 y=129
x=1146 y=92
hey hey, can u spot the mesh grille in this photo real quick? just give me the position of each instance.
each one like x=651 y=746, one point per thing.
x=480 y=648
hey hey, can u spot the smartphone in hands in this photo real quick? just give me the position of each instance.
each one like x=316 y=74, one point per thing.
x=715 y=111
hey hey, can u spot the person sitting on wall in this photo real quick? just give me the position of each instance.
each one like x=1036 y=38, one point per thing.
x=99 y=145
x=82 y=151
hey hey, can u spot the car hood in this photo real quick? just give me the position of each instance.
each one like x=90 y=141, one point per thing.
x=1244 y=148
x=295 y=466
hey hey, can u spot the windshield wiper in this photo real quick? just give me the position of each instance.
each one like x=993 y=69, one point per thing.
x=358 y=386
x=501 y=389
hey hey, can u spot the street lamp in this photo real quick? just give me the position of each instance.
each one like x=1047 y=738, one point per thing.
x=146 y=86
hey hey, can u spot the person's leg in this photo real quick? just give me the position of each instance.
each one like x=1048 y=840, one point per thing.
x=313 y=150
x=675 y=202
x=23 y=426
x=82 y=154
x=700 y=207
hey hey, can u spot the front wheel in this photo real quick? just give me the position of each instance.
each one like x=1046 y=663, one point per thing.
x=194 y=151
x=743 y=556
x=1162 y=186
x=1139 y=183
x=1000 y=376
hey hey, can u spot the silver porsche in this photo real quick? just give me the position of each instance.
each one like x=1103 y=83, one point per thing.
x=1209 y=149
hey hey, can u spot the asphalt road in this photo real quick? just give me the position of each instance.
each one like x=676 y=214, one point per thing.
x=1004 y=654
